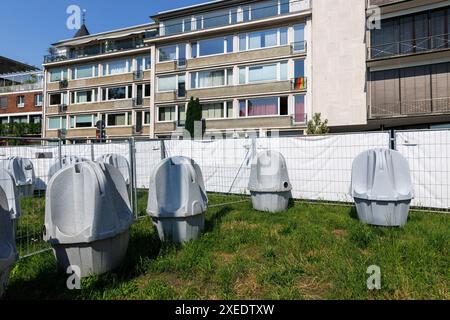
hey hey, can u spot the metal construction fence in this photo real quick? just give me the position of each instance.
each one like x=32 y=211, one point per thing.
x=319 y=168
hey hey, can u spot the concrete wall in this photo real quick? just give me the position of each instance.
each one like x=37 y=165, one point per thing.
x=339 y=61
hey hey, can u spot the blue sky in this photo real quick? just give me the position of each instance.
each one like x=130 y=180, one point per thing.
x=29 y=27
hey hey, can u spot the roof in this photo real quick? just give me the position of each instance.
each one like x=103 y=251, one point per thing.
x=194 y=9
x=9 y=66
x=83 y=31
x=111 y=32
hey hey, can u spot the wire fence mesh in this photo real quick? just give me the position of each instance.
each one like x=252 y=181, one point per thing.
x=319 y=168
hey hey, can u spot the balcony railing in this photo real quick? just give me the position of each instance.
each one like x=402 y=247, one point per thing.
x=104 y=48
x=419 y=45
x=299 y=83
x=410 y=108
x=233 y=16
x=21 y=87
x=298 y=46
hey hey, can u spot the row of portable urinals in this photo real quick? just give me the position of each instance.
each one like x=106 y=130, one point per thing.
x=88 y=213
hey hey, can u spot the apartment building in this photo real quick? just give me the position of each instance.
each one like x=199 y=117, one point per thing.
x=21 y=96
x=104 y=76
x=408 y=65
x=247 y=61
x=255 y=65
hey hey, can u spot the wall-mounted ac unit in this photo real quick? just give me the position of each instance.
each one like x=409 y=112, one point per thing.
x=63 y=84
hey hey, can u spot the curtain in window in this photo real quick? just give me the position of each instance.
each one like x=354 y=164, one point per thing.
x=118 y=67
x=211 y=111
x=166 y=113
x=211 y=78
x=262 y=107
x=438 y=29
x=299 y=109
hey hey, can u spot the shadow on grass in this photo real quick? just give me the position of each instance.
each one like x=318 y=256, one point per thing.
x=353 y=213
x=42 y=279
x=216 y=218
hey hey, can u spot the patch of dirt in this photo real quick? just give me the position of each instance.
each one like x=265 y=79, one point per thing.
x=339 y=233
x=247 y=287
x=224 y=257
x=311 y=288
x=239 y=224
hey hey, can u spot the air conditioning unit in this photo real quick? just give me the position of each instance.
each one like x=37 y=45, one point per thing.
x=62 y=108
x=62 y=133
x=138 y=75
x=63 y=84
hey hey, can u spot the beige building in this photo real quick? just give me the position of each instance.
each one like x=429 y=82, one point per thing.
x=99 y=77
x=255 y=65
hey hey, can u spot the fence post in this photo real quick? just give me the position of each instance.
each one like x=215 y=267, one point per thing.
x=163 y=149
x=392 y=142
x=133 y=193
x=60 y=152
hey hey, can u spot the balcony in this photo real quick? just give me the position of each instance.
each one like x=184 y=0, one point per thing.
x=100 y=49
x=298 y=46
x=409 y=47
x=410 y=108
x=231 y=16
x=18 y=82
x=299 y=83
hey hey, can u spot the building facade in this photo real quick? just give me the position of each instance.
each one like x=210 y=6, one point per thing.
x=255 y=66
x=99 y=77
x=21 y=98
x=408 y=64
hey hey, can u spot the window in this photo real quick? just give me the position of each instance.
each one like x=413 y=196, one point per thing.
x=55 y=123
x=172 y=52
x=299 y=109
x=262 y=73
x=264 y=9
x=213 y=110
x=299 y=75
x=166 y=113
x=20 y=101
x=117 y=93
x=147 y=90
x=3 y=102
x=82 y=72
x=36 y=119
x=147 y=117
x=167 y=83
x=263 y=39
x=58 y=98
x=58 y=75
x=263 y=106
x=181 y=116
x=116 y=67
x=18 y=119
x=299 y=37
x=211 y=78
x=82 y=121
x=212 y=46
x=84 y=96
x=38 y=100
x=143 y=63
x=230 y=113
x=118 y=119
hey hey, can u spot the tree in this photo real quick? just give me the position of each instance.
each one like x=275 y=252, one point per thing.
x=193 y=114
x=316 y=126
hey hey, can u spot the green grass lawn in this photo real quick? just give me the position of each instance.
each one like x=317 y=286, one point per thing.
x=310 y=251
